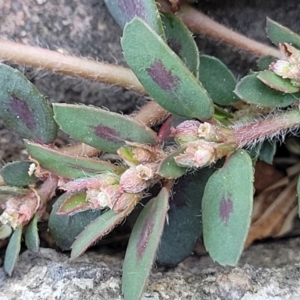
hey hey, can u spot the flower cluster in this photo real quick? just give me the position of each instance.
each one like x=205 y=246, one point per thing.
x=289 y=65
x=19 y=210
x=203 y=143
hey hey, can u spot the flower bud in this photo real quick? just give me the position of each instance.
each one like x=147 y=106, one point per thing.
x=196 y=155
x=186 y=132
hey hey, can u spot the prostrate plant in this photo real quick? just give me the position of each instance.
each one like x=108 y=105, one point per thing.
x=206 y=117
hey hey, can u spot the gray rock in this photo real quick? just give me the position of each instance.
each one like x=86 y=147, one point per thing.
x=51 y=275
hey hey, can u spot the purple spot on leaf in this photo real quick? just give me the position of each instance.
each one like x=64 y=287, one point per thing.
x=174 y=45
x=144 y=237
x=21 y=110
x=132 y=8
x=161 y=76
x=107 y=133
x=226 y=208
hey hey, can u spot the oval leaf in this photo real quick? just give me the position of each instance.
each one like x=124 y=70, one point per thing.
x=74 y=203
x=13 y=250
x=218 y=80
x=276 y=82
x=23 y=108
x=184 y=225
x=280 y=34
x=100 y=128
x=99 y=227
x=65 y=165
x=163 y=74
x=227 y=208
x=267 y=151
x=181 y=41
x=124 y=11
x=65 y=228
x=252 y=90
x=32 y=239
x=169 y=169
x=5 y=231
x=143 y=244
x=17 y=173
x=264 y=62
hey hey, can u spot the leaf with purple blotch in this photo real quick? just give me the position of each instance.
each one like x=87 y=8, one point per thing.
x=99 y=128
x=227 y=207
x=143 y=244
x=254 y=91
x=23 y=108
x=73 y=203
x=13 y=250
x=68 y=166
x=281 y=34
x=123 y=11
x=276 y=82
x=218 y=80
x=181 y=41
x=162 y=73
x=184 y=225
x=100 y=227
x=32 y=239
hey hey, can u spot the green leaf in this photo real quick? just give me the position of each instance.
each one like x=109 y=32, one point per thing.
x=218 y=80
x=74 y=203
x=23 y=108
x=65 y=165
x=168 y=167
x=252 y=90
x=267 y=151
x=280 y=34
x=32 y=239
x=227 y=208
x=184 y=225
x=5 y=231
x=264 y=62
x=65 y=228
x=123 y=11
x=142 y=246
x=298 y=193
x=13 y=250
x=98 y=228
x=163 y=75
x=12 y=190
x=100 y=128
x=16 y=173
x=276 y=82
x=181 y=41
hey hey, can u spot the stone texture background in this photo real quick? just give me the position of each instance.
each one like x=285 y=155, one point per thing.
x=84 y=27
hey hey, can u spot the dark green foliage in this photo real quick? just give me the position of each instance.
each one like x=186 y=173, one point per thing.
x=32 y=240
x=218 y=80
x=65 y=228
x=180 y=40
x=280 y=34
x=13 y=250
x=16 y=174
x=251 y=89
x=184 y=218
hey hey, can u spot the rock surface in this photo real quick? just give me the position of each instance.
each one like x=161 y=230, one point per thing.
x=268 y=271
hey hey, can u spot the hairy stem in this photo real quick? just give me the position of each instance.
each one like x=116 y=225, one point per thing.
x=69 y=65
x=268 y=127
x=199 y=23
